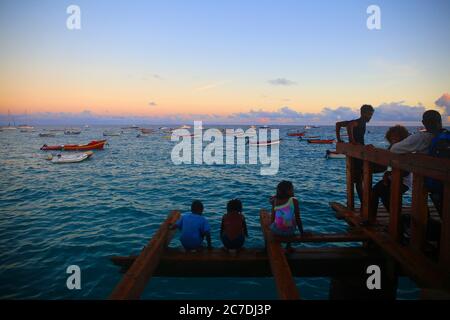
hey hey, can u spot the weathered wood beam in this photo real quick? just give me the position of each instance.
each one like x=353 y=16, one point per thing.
x=395 y=205
x=286 y=287
x=444 y=256
x=321 y=238
x=304 y=262
x=136 y=278
x=422 y=270
x=427 y=166
x=419 y=216
x=349 y=182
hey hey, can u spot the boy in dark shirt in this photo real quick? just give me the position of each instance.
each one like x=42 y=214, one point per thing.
x=356 y=130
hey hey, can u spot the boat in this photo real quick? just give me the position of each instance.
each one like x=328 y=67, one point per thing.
x=110 y=133
x=321 y=141
x=310 y=138
x=332 y=154
x=93 y=145
x=9 y=127
x=296 y=134
x=47 y=135
x=147 y=131
x=72 y=131
x=25 y=127
x=264 y=143
x=70 y=158
x=131 y=127
x=308 y=127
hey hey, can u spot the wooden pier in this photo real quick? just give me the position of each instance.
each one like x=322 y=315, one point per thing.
x=379 y=240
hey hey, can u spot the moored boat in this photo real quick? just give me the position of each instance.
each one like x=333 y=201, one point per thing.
x=47 y=135
x=72 y=131
x=332 y=154
x=321 y=141
x=296 y=134
x=70 y=158
x=93 y=145
x=110 y=133
x=265 y=143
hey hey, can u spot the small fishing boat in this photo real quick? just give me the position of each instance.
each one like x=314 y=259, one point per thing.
x=93 y=145
x=147 y=131
x=265 y=143
x=110 y=133
x=47 y=135
x=70 y=158
x=308 y=127
x=321 y=141
x=332 y=154
x=72 y=131
x=131 y=127
x=296 y=134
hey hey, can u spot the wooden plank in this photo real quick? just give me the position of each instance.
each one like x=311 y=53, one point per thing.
x=287 y=290
x=135 y=280
x=419 y=217
x=425 y=165
x=444 y=256
x=321 y=238
x=367 y=192
x=395 y=205
x=422 y=270
x=350 y=188
x=253 y=262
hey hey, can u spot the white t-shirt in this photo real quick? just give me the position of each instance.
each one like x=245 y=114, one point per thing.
x=419 y=142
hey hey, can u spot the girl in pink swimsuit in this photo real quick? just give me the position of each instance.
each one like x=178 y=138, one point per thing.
x=285 y=211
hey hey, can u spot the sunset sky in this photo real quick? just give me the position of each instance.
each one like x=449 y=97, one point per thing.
x=217 y=57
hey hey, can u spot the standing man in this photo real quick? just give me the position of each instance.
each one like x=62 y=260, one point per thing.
x=356 y=129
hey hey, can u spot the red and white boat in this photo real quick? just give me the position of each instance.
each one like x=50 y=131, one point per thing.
x=93 y=145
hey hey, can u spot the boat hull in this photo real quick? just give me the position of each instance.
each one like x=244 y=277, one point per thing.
x=93 y=145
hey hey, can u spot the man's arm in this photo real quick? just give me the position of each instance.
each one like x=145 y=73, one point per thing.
x=208 y=239
x=339 y=125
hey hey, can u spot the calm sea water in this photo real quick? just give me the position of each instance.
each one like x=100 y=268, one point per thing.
x=53 y=216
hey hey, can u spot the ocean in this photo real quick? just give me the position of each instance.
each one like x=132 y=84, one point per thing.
x=53 y=216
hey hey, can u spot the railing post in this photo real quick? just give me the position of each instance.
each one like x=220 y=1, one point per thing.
x=395 y=209
x=350 y=189
x=419 y=217
x=367 y=193
x=444 y=257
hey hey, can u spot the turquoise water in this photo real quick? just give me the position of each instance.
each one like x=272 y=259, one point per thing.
x=53 y=216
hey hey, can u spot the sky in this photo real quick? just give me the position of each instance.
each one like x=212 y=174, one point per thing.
x=233 y=60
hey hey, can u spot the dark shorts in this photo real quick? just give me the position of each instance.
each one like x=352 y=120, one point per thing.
x=357 y=170
x=233 y=244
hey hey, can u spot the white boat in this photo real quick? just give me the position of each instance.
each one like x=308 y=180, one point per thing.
x=47 y=135
x=109 y=133
x=9 y=128
x=72 y=131
x=334 y=155
x=69 y=158
x=186 y=127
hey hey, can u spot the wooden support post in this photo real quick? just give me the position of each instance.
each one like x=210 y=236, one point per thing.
x=395 y=209
x=367 y=193
x=444 y=257
x=350 y=188
x=136 y=278
x=419 y=215
x=287 y=290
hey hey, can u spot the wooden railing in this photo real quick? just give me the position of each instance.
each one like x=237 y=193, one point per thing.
x=421 y=166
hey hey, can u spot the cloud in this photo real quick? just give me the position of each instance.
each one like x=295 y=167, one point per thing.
x=282 y=82
x=444 y=102
x=152 y=104
x=398 y=111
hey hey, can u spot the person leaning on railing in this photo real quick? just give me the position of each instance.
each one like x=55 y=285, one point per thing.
x=421 y=142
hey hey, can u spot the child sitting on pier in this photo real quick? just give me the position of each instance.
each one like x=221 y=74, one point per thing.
x=194 y=228
x=233 y=229
x=285 y=212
